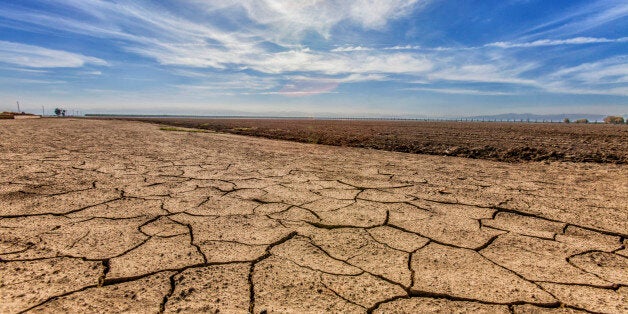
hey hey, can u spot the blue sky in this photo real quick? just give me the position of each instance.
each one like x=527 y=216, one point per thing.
x=362 y=57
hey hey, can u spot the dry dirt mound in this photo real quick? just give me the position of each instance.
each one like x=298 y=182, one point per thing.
x=110 y=216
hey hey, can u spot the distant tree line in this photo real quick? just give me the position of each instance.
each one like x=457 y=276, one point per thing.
x=614 y=120
x=607 y=120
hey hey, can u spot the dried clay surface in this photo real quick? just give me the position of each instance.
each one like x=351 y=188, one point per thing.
x=120 y=216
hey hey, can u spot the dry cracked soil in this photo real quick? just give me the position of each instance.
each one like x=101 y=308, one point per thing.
x=119 y=216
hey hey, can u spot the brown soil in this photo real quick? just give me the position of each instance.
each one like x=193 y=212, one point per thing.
x=120 y=216
x=511 y=142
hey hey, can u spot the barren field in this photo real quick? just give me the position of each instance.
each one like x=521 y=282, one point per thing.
x=120 y=216
x=510 y=142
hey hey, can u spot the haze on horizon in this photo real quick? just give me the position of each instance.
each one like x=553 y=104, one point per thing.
x=386 y=57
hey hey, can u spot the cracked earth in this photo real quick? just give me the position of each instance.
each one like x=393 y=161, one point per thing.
x=113 y=216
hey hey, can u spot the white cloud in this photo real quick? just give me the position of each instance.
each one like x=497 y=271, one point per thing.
x=232 y=82
x=605 y=77
x=289 y=18
x=13 y=80
x=352 y=78
x=613 y=70
x=34 y=71
x=459 y=91
x=351 y=49
x=39 y=57
x=406 y=47
x=334 y=64
x=557 y=42
x=591 y=15
x=299 y=85
x=196 y=46
x=153 y=32
x=299 y=93
x=293 y=85
x=487 y=72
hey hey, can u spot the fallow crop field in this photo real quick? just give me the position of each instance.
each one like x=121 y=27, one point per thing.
x=485 y=140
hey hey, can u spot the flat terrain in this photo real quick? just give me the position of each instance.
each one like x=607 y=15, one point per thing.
x=512 y=142
x=120 y=216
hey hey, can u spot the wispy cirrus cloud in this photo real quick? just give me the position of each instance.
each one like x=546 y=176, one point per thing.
x=237 y=83
x=487 y=71
x=351 y=49
x=404 y=47
x=608 y=71
x=30 y=81
x=288 y=19
x=307 y=86
x=290 y=85
x=605 y=77
x=591 y=15
x=460 y=91
x=39 y=57
x=303 y=48
x=557 y=42
x=173 y=40
x=498 y=44
x=317 y=62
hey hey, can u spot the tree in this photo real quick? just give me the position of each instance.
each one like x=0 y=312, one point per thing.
x=566 y=120
x=614 y=120
x=57 y=112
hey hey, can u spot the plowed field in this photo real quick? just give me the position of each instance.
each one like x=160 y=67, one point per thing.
x=511 y=142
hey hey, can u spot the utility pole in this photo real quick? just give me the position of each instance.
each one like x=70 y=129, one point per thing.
x=43 y=112
x=18 y=106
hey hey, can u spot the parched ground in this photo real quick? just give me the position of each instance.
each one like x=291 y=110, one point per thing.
x=114 y=216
